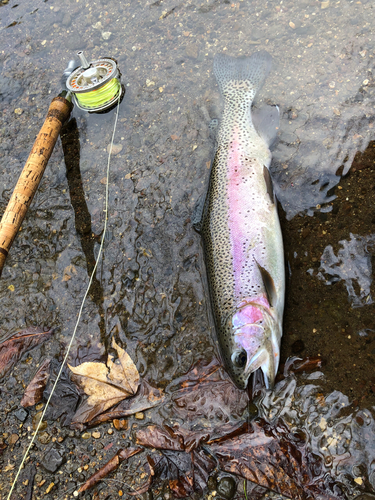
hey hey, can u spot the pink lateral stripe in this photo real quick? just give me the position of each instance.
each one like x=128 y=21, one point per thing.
x=237 y=202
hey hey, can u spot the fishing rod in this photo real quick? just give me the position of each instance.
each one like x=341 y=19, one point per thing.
x=94 y=87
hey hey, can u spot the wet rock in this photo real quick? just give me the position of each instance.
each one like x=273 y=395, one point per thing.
x=71 y=467
x=67 y=20
x=35 y=422
x=13 y=439
x=226 y=488
x=44 y=437
x=365 y=496
x=116 y=149
x=11 y=383
x=53 y=458
x=192 y=50
x=21 y=414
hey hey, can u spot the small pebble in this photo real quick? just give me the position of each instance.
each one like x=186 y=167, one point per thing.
x=110 y=431
x=116 y=149
x=18 y=111
x=325 y=4
x=86 y=435
x=35 y=422
x=13 y=439
x=44 y=437
x=120 y=424
x=226 y=488
x=50 y=487
x=96 y=434
x=139 y=416
x=106 y=35
x=21 y=414
x=292 y=25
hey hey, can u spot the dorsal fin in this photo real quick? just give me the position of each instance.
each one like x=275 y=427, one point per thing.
x=269 y=285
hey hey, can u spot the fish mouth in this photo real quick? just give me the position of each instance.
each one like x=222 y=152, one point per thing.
x=254 y=344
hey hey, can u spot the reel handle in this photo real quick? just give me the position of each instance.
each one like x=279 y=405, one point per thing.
x=31 y=175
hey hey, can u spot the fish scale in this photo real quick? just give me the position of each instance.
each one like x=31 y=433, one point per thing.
x=240 y=226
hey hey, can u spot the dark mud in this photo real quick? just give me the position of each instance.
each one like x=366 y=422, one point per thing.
x=323 y=319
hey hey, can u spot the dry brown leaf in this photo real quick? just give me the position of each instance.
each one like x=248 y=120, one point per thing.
x=108 y=384
x=146 y=397
x=34 y=391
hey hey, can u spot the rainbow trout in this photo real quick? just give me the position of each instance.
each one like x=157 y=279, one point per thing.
x=240 y=228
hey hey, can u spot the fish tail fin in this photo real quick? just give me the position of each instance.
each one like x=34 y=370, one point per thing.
x=241 y=78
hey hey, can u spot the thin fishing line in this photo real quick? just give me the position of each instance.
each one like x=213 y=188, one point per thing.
x=80 y=310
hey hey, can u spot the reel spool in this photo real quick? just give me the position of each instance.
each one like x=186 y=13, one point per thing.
x=96 y=86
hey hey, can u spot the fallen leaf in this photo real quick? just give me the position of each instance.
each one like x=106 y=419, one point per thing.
x=65 y=398
x=298 y=365
x=185 y=472
x=147 y=484
x=34 y=391
x=181 y=439
x=105 y=384
x=207 y=391
x=14 y=348
x=110 y=466
x=274 y=457
x=160 y=438
x=146 y=397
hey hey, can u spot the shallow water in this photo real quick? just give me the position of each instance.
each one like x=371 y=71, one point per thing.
x=149 y=293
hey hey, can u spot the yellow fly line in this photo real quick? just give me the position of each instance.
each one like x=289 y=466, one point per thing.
x=100 y=96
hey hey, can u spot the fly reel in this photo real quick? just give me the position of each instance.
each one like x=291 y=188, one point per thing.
x=96 y=86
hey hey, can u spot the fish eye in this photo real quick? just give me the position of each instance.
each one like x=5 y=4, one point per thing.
x=239 y=359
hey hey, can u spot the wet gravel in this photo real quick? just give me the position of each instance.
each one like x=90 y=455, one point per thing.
x=149 y=293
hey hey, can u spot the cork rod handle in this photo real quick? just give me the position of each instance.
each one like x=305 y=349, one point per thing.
x=32 y=174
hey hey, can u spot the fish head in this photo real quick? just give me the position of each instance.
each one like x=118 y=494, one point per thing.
x=253 y=335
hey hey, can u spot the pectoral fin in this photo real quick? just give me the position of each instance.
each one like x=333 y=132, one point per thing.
x=269 y=285
x=269 y=185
